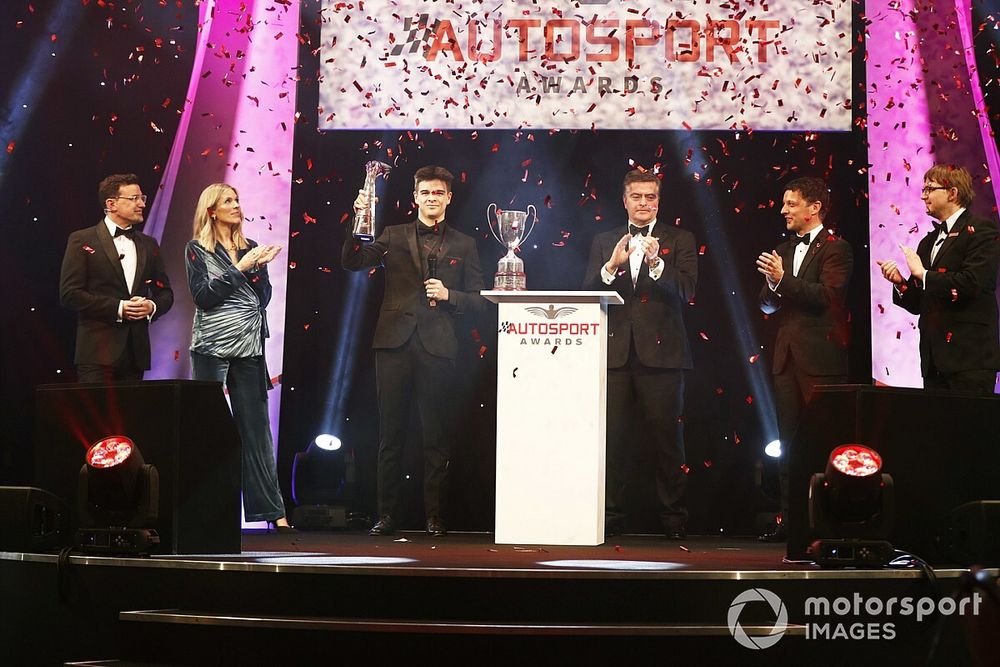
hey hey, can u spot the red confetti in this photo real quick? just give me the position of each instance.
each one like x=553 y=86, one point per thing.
x=718 y=391
x=291 y=265
x=701 y=250
x=306 y=327
x=754 y=358
x=10 y=147
x=88 y=249
x=685 y=469
x=749 y=399
x=954 y=295
x=177 y=353
x=707 y=463
x=482 y=351
x=308 y=218
x=947 y=338
x=703 y=335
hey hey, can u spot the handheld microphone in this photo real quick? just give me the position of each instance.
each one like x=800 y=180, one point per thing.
x=432 y=269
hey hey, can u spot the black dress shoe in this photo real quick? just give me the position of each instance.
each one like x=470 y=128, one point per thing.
x=435 y=527
x=385 y=526
x=779 y=534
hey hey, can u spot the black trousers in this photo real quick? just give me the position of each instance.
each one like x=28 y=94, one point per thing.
x=406 y=375
x=792 y=389
x=640 y=396
x=125 y=368
x=980 y=382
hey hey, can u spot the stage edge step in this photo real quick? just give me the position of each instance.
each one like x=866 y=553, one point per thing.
x=180 y=617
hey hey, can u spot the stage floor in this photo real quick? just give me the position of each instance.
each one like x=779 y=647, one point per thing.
x=410 y=552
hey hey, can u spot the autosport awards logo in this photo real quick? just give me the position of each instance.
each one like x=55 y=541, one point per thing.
x=757 y=641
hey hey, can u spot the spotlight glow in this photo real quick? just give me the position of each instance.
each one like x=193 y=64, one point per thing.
x=109 y=452
x=330 y=443
x=856 y=460
x=773 y=449
x=601 y=564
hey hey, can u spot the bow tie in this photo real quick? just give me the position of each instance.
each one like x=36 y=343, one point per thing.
x=635 y=230
x=425 y=229
x=129 y=233
x=804 y=240
x=940 y=227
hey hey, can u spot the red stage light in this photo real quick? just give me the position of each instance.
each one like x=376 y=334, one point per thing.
x=109 y=452
x=856 y=460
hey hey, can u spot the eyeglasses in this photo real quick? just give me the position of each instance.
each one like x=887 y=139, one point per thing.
x=134 y=198
x=926 y=190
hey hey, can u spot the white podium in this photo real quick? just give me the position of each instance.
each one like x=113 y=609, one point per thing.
x=552 y=363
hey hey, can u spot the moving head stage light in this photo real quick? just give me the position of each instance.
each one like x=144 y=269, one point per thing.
x=118 y=499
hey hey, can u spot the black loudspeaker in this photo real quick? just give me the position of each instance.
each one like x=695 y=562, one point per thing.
x=32 y=520
x=970 y=534
x=940 y=448
x=183 y=427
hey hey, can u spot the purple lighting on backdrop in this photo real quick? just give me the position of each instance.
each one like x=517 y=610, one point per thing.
x=236 y=128
x=925 y=106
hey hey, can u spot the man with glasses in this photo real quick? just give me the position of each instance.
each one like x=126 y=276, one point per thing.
x=952 y=287
x=113 y=277
x=432 y=277
x=654 y=268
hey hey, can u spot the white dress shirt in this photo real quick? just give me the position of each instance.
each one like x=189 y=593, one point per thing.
x=128 y=256
x=635 y=259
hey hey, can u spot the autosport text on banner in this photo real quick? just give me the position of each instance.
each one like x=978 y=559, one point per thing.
x=603 y=64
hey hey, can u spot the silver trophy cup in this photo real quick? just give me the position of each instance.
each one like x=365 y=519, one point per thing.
x=364 y=220
x=509 y=229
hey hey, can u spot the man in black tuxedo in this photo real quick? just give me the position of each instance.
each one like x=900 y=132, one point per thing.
x=805 y=290
x=432 y=277
x=654 y=267
x=952 y=287
x=113 y=277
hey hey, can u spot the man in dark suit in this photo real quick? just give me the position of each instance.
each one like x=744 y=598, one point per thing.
x=654 y=267
x=113 y=277
x=432 y=277
x=952 y=287
x=805 y=290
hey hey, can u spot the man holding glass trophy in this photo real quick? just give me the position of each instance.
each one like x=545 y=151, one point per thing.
x=432 y=277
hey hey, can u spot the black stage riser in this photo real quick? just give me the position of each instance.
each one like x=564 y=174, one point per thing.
x=942 y=450
x=88 y=626
x=184 y=428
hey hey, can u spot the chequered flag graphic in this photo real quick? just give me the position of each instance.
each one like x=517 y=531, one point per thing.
x=418 y=33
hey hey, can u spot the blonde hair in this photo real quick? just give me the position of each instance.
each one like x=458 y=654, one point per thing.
x=204 y=223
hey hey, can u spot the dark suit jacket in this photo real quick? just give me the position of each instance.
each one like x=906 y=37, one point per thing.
x=811 y=308
x=404 y=306
x=957 y=307
x=93 y=283
x=653 y=312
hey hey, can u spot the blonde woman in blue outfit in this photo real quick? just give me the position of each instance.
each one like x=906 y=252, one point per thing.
x=227 y=276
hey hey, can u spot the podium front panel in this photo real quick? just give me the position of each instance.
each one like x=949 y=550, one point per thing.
x=551 y=407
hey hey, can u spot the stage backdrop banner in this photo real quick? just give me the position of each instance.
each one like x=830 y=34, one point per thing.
x=579 y=64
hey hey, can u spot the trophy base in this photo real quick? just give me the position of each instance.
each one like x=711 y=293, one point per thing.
x=365 y=238
x=509 y=282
